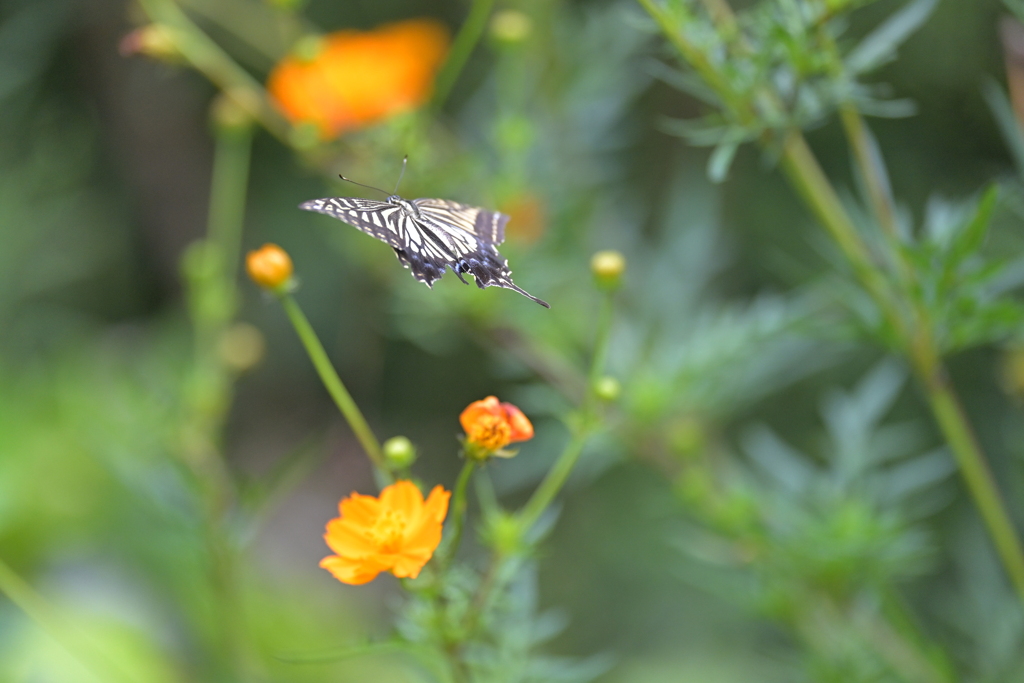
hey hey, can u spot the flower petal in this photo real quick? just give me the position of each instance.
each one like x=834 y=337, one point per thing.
x=475 y=410
x=403 y=496
x=346 y=539
x=352 y=572
x=522 y=428
x=425 y=536
x=359 y=509
x=409 y=564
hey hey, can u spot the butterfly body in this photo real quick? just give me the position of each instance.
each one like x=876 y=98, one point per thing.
x=431 y=235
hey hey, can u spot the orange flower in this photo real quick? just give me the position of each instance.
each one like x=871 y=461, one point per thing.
x=360 y=77
x=397 y=533
x=491 y=425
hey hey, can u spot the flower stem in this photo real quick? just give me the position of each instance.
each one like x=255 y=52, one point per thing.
x=556 y=477
x=554 y=481
x=467 y=38
x=47 y=618
x=335 y=388
x=227 y=196
x=459 y=504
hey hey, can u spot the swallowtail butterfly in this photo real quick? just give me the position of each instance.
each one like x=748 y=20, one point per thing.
x=431 y=235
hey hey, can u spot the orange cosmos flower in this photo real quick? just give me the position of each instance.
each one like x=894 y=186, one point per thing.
x=491 y=425
x=397 y=533
x=360 y=77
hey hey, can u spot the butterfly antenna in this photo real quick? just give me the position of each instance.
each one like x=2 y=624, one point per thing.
x=405 y=160
x=369 y=187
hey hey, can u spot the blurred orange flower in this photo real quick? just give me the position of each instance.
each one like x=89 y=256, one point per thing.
x=397 y=532
x=356 y=78
x=491 y=425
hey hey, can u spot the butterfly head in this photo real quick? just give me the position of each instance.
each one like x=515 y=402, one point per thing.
x=408 y=207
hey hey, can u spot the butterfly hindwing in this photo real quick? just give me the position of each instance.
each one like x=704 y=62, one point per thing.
x=434 y=235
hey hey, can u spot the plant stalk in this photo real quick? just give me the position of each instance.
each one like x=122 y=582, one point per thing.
x=466 y=40
x=458 y=510
x=335 y=387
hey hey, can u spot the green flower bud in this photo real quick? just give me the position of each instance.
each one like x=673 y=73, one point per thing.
x=607 y=388
x=511 y=26
x=399 y=452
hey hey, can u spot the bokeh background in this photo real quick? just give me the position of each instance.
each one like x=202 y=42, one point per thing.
x=105 y=169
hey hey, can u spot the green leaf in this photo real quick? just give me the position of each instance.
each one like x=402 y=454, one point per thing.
x=968 y=240
x=879 y=46
x=1007 y=121
x=720 y=160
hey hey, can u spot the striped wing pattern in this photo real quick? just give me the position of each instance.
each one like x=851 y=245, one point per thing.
x=434 y=235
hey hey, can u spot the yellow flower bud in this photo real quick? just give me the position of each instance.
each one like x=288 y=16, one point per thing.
x=607 y=268
x=269 y=266
x=399 y=452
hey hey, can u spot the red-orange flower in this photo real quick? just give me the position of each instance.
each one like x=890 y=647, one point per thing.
x=491 y=425
x=356 y=78
x=397 y=532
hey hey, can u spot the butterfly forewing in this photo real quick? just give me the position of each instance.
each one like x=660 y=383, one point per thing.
x=434 y=235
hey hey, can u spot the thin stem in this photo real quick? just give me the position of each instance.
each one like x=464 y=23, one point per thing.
x=228 y=195
x=459 y=504
x=49 y=620
x=334 y=386
x=469 y=35
x=556 y=477
x=871 y=170
x=554 y=481
x=814 y=187
x=957 y=430
x=602 y=338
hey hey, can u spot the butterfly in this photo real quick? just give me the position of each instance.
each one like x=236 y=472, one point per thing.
x=431 y=235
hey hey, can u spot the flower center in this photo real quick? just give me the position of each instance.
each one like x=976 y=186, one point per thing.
x=491 y=431
x=388 y=531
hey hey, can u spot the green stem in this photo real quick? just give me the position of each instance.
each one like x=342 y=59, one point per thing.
x=459 y=504
x=957 y=430
x=334 y=386
x=50 y=621
x=228 y=195
x=469 y=35
x=602 y=338
x=556 y=477
x=870 y=165
x=554 y=481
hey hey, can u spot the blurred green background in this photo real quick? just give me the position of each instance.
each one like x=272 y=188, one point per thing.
x=104 y=181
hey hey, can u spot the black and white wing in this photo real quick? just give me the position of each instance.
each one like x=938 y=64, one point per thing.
x=446 y=235
x=488 y=226
x=426 y=258
x=472 y=235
